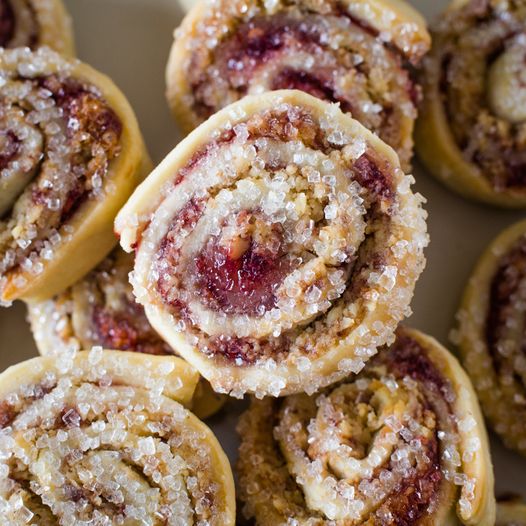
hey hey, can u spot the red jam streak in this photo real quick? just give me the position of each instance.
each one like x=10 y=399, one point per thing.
x=124 y=331
x=7 y=414
x=407 y=358
x=85 y=111
x=7 y=22
x=309 y=83
x=242 y=282
x=9 y=148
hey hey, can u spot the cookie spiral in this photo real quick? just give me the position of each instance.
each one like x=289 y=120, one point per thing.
x=36 y=23
x=358 y=54
x=403 y=442
x=100 y=310
x=277 y=247
x=490 y=334
x=471 y=132
x=71 y=154
x=102 y=438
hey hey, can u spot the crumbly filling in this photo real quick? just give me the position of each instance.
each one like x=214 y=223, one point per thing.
x=77 y=449
x=380 y=447
x=254 y=264
x=18 y=24
x=107 y=313
x=469 y=42
x=506 y=324
x=61 y=137
x=317 y=48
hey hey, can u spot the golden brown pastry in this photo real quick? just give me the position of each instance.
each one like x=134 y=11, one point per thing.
x=491 y=334
x=72 y=153
x=35 y=23
x=277 y=247
x=100 y=310
x=356 y=53
x=471 y=133
x=403 y=442
x=104 y=438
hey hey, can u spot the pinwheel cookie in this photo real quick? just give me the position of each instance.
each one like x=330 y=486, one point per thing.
x=491 y=334
x=71 y=155
x=403 y=442
x=472 y=128
x=100 y=310
x=103 y=438
x=278 y=246
x=356 y=53
x=35 y=23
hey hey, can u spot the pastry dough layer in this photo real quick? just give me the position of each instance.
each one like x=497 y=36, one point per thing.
x=100 y=310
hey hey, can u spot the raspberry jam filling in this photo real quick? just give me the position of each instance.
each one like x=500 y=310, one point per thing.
x=127 y=330
x=239 y=275
x=9 y=148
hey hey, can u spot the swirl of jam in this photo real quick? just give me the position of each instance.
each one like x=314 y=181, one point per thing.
x=100 y=310
x=492 y=322
x=103 y=437
x=403 y=442
x=358 y=54
x=71 y=154
x=278 y=247
x=35 y=23
x=472 y=131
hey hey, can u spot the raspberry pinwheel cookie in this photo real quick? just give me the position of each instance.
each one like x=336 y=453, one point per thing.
x=277 y=247
x=359 y=54
x=403 y=442
x=35 y=23
x=471 y=132
x=104 y=438
x=71 y=155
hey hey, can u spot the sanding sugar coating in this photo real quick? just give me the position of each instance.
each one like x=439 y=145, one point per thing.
x=356 y=53
x=403 y=442
x=36 y=23
x=472 y=128
x=71 y=154
x=104 y=438
x=277 y=247
x=100 y=310
x=491 y=337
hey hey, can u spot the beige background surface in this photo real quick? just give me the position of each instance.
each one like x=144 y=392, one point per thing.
x=130 y=40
